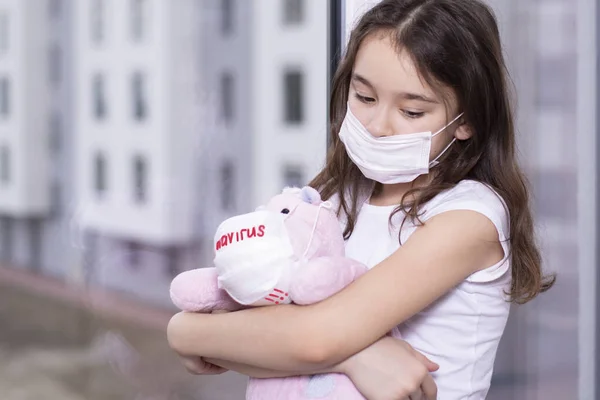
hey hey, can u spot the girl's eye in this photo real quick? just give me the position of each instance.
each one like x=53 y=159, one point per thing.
x=364 y=99
x=412 y=114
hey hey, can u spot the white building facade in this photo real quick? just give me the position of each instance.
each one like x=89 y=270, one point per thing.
x=35 y=137
x=289 y=93
x=160 y=119
x=138 y=70
x=265 y=103
x=24 y=90
x=137 y=67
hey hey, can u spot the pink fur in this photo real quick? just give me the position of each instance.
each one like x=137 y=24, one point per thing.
x=324 y=272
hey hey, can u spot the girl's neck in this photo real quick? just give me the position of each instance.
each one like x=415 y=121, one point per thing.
x=391 y=194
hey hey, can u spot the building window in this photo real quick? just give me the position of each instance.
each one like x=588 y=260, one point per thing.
x=6 y=236
x=139 y=95
x=100 y=184
x=134 y=253
x=227 y=96
x=99 y=96
x=5 y=164
x=56 y=199
x=294 y=97
x=173 y=257
x=55 y=8
x=55 y=133
x=54 y=63
x=4 y=96
x=140 y=179
x=91 y=255
x=138 y=19
x=227 y=187
x=35 y=243
x=97 y=16
x=4 y=32
x=293 y=12
x=293 y=176
x=227 y=17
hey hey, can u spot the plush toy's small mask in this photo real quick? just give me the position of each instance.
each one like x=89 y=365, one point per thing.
x=254 y=256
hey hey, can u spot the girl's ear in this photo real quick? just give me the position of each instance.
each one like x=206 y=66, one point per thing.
x=463 y=132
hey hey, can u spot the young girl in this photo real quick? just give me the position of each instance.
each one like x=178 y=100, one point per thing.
x=423 y=169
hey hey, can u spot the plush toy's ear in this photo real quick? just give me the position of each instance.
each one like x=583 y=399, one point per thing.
x=310 y=195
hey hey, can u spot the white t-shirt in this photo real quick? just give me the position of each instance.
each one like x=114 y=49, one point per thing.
x=461 y=330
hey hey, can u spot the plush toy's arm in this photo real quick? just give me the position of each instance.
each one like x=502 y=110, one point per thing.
x=197 y=291
x=322 y=277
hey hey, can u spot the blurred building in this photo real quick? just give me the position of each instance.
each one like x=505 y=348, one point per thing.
x=541 y=43
x=138 y=72
x=289 y=95
x=158 y=120
x=36 y=146
x=265 y=103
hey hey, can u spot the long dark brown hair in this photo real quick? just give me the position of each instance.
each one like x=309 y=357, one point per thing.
x=454 y=44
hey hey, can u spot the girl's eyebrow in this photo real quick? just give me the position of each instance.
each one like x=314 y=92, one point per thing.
x=403 y=95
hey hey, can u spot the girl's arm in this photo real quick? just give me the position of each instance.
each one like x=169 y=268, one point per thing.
x=389 y=368
x=436 y=258
x=391 y=354
x=256 y=372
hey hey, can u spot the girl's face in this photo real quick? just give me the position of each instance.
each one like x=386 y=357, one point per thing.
x=388 y=96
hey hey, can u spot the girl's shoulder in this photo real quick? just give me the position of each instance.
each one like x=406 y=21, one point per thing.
x=470 y=190
x=479 y=197
x=471 y=195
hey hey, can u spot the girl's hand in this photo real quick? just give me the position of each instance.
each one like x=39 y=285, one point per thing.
x=198 y=366
x=391 y=369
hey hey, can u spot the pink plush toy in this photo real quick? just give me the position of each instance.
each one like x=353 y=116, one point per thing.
x=292 y=250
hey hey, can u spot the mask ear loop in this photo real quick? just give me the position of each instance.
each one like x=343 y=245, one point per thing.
x=435 y=161
x=448 y=124
x=327 y=205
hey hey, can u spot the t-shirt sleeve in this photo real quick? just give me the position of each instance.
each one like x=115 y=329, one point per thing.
x=478 y=197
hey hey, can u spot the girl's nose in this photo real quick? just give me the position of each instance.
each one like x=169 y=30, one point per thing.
x=380 y=123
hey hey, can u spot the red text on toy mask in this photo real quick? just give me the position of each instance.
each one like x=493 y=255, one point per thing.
x=241 y=235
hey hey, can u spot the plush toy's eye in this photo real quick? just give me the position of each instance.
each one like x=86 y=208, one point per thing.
x=285 y=211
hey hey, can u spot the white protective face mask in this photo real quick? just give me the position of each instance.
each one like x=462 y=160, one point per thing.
x=390 y=159
x=255 y=258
